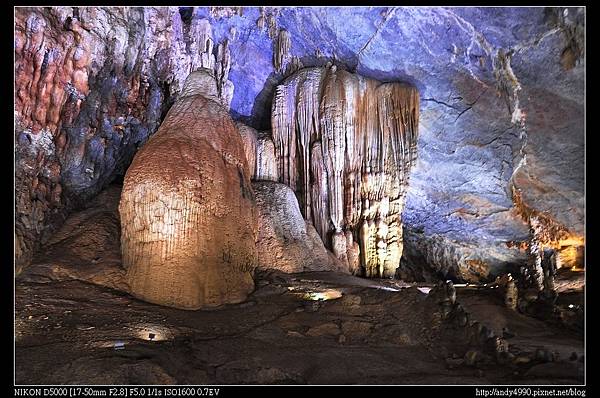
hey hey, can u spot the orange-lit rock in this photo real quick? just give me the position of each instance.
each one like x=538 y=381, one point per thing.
x=266 y=165
x=187 y=209
x=249 y=138
x=547 y=233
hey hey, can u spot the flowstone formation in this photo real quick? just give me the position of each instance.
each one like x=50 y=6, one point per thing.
x=188 y=214
x=345 y=144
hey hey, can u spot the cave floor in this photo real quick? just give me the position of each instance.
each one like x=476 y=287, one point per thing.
x=74 y=324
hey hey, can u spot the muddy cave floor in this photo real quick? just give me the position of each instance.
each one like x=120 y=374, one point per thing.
x=75 y=325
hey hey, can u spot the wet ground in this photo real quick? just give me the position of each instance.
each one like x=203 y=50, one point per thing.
x=76 y=325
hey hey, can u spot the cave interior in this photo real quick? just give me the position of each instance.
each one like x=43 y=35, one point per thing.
x=299 y=195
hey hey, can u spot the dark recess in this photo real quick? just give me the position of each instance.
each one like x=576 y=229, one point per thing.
x=186 y=14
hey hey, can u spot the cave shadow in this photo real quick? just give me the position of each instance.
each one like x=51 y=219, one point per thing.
x=260 y=116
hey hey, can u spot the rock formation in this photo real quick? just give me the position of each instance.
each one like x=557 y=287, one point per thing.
x=281 y=50
x=91 y=85
x=260 y=153
x=316 y=158
x=502 y=105
x=345 y=144
x=285 y=241
x=249 y=138
x=187 y=209
x=551 y=245
x=266 y=165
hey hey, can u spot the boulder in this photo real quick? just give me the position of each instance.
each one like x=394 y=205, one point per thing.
x=285 y=241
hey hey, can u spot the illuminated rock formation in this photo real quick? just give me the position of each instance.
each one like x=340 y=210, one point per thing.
x=285 y=241
x=266 y=165
x=551 y=245
x=281 y=50
x=249 y=138
x=92 y=84
x=345 y=144
x=187 y=209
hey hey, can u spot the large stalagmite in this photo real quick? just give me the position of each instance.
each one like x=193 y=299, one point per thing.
x=187 y=209
x=345 y=144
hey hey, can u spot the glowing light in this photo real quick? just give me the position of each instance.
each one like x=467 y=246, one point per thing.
x=571 y=306
x=154 y=333
x=391 y=289
x=329 y=294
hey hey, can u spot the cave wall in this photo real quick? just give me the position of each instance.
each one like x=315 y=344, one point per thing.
x=501 y=107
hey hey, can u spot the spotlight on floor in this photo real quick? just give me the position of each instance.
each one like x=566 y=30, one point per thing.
x=329 y=294
x=154 y=333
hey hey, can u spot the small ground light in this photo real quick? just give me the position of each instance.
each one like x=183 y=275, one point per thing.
x=154 y=333
x=329 y=294
x=571 y=306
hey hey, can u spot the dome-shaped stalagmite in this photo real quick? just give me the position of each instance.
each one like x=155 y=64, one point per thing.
x=346 y=145
x=187 y=209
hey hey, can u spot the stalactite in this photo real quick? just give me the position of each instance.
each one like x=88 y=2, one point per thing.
x=308 y=127
x=261 y=21
x=272 y=25
x=223 y=64
x=204 y=58
x=281 y=50
x=320 y=193
x=225 y=12
x=203 y=55
x=346 y=144
x=283 y=115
